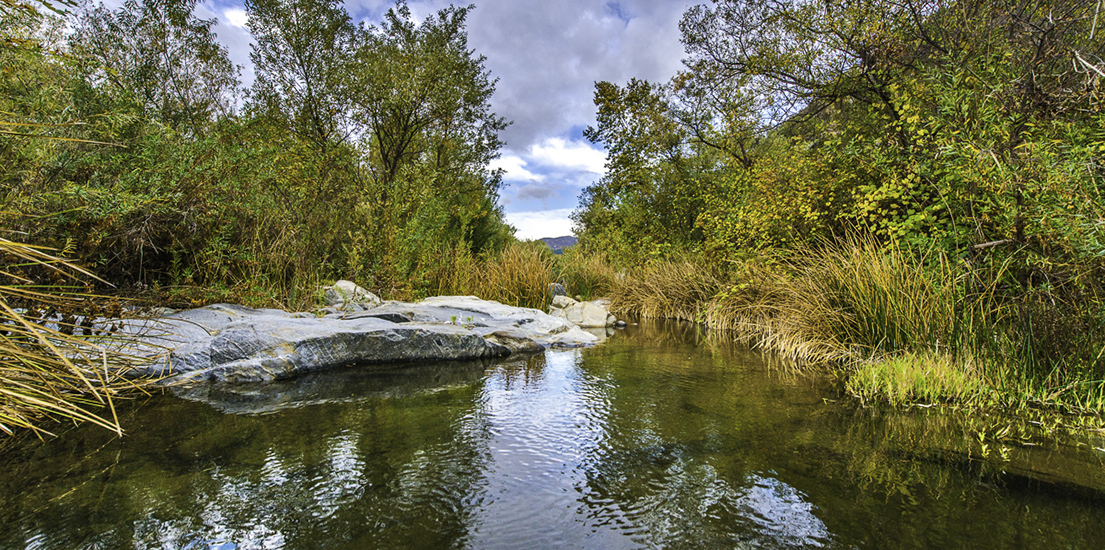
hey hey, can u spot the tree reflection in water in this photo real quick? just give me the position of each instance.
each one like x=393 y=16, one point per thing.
x=662 y=437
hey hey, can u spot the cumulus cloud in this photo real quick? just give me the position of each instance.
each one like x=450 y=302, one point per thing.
x=548 y=55
x=569 y=155
x=536 y=192
x=515 y=168
x=539 y=224
x=236 y=17
x=549 y=174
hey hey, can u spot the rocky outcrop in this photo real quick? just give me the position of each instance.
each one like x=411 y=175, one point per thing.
x=593 y=314
x=237 y=344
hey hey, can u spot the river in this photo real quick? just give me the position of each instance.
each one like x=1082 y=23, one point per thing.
x=662 y=437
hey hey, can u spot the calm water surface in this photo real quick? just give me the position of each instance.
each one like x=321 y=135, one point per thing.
x=656 y=439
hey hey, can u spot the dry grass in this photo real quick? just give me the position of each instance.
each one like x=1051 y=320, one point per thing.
x=518 y=275
x=51 y=367
x=846 y=303
x=680 y=289
x=588 y=275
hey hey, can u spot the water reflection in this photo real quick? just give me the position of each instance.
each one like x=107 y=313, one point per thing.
x=663 y=437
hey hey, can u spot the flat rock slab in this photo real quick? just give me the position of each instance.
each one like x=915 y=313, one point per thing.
x=237 y=344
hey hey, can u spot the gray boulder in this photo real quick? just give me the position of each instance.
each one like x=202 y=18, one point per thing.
x=346 y=293
x=237 y=344
x=592 y=314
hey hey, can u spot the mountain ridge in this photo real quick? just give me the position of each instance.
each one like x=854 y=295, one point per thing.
x=558 y=244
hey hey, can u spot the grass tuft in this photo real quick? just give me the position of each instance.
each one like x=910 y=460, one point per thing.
x=914 y=378
x=52 y=364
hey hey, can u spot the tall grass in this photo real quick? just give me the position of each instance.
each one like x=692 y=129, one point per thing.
x=676 y=289
x=902 y=327
x=52 y=367
x=518 y=275
x=587 y=275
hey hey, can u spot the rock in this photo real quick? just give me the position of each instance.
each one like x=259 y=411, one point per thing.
x=562 y=302
x=557 y=289
x=261 y=349
x=347 y=293
x=593 y=314
x=236 y=344
x=514 y=341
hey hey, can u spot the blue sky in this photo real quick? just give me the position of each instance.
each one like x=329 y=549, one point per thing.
x=547 y=56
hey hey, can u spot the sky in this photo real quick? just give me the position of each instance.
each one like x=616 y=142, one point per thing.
x=547 y=56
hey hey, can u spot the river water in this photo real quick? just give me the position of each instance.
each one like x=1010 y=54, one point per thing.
x=659 y=438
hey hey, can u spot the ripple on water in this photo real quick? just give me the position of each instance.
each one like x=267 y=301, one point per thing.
x=650 y=443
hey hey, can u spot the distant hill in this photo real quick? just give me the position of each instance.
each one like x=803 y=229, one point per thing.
x=558 y=244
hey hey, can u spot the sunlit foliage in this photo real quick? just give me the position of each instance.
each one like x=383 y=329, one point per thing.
x=359 y=152
x=965 y=137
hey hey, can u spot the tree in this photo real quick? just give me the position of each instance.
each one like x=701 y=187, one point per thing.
x=301 y=54
x=657 y=172
x=421 y=101
x=159 y=56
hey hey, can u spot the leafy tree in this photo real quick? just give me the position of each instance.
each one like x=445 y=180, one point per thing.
x=657 y=174
x=422 y=100
x=301 y=55
x=159 y=56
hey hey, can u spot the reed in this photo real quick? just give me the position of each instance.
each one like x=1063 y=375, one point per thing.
x=669 y=289
x=587 y=275
x=51 y=366
x=912 y=378
x=902 y=328
x=517 y=275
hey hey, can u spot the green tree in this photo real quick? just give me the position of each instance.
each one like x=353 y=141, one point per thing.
x=422 y=101
x=158 y=55
x=301 y=55
x=657 y=174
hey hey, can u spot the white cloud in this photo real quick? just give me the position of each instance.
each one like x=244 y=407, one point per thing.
x=566 y=155
x=537 y=225
x=237 y=17
x=547 y=57
x=549 y=175
x=515 y=168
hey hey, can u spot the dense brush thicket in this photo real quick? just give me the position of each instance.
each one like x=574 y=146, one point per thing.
x=358 y=152
x=864 y=179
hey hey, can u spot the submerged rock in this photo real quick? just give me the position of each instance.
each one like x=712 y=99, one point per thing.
x=237 y=344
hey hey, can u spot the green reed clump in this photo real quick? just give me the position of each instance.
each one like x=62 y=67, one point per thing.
x=912 y=377
x=53 y=366
x=587 y=275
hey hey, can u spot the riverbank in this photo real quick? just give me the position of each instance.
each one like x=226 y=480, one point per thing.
x=908 y=331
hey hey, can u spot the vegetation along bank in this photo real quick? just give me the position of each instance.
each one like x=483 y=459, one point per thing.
x=906 y=192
